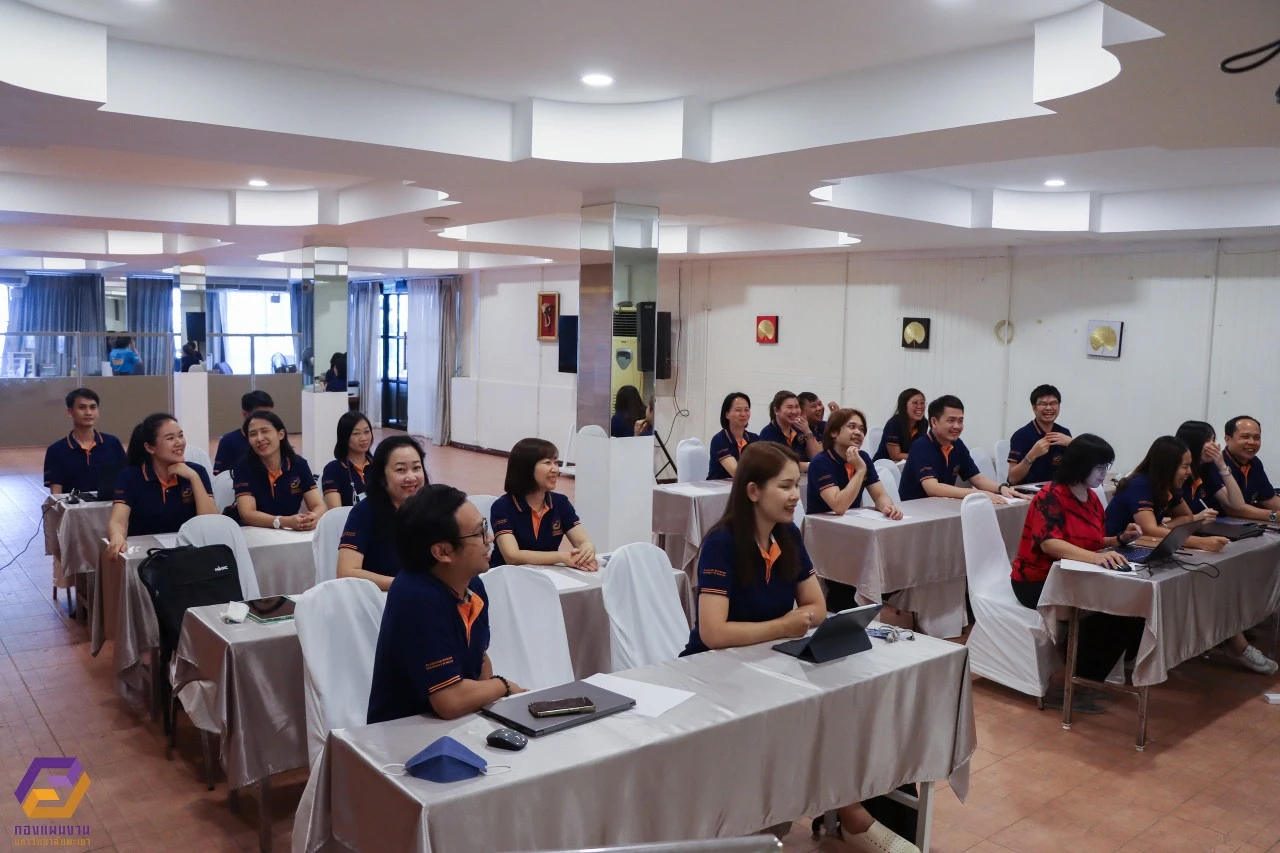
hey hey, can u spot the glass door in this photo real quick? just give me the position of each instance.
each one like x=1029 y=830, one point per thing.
x=392 y=370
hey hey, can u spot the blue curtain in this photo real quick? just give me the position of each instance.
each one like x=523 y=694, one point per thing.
x=59 y=303
x=302 y=309
x=215 y=324
x=149 y=305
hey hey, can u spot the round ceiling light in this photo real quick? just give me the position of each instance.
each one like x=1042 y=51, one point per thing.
x=258 y=182
x=1055 y=182
x=597 y=79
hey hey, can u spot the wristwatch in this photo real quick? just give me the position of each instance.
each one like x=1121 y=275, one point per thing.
x=1273 y=516
x=276 y=523
x=506 y=684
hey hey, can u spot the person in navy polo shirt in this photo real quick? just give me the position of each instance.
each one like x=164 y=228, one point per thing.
x=727 y=445
x=756 y=584
x=934 y=466
x=1210 y=485
x=815 y=412
x=274 y=485
x=160 y=490
x=905 y=428
x=342 y=481
x=789 y=427
x=74 y=462
x=1153 y=492
x=840 y=474
x=1036 y=449
x=367 y=549
x=431 y=655
x=628 y=413
x=233 y=446
x=530 y=520
x=1244 y=440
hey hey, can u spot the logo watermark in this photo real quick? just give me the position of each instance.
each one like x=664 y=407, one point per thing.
x=52 y=789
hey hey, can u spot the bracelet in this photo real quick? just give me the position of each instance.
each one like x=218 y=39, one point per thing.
x=506 y=685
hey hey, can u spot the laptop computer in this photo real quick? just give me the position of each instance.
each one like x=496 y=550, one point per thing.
x=839 y=636
x=1165 y=550
x=513 y=711
x=1232 y=528
x=107 y=475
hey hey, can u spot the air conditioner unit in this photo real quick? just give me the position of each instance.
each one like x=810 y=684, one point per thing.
x=625 y=369
x=14 y=280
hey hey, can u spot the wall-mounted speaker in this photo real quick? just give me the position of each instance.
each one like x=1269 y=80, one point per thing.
x=662 y=370
x=568 y=339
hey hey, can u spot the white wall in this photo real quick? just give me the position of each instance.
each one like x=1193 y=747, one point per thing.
x=1197 y=339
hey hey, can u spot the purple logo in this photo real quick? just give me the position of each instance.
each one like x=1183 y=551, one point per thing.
x=63 y=789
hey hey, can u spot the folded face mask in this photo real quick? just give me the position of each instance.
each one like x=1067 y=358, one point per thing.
x=445 y=760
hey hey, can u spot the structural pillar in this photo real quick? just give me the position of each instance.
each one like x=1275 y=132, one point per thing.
x=324 y=338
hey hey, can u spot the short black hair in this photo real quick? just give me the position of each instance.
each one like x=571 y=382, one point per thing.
x=806 y=397
x=1045 y=391
x=145 y=433
x=427 y=517
x=255 y=400
x=346 y=425
x=940 y=404
x=1085 y=452
x=525 y=456
x=728 y=404
x=82 y=394
x=123 y=341
x=1228 y=430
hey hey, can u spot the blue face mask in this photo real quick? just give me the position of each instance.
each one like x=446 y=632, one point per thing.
x=445 y=760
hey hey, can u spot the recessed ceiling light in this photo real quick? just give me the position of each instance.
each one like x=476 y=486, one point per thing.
x=844 y=238
x=1055 y=182
x=257 y=182
x=597 y=79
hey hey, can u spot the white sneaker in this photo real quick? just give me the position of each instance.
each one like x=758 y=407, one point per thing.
x=879 y=839
x=1254 y=660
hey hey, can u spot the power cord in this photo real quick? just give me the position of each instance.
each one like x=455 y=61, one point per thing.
x=39 y=524
x=1246 y=61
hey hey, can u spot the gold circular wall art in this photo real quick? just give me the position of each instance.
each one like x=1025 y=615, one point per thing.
x=913 y=333
x=765 y=330
x=1103 y=338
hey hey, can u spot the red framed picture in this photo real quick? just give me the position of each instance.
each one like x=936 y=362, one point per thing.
x=548 y=316
x=767 y=329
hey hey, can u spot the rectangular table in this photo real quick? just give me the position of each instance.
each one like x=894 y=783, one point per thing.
x=73 y=535
x=683 y=513
x=122 y=609
x=765 y=739
x=1186 y=612
x=922 y=556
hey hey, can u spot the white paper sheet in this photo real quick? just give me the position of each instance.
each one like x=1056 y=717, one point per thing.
x=1080 y=565
x=691 y=490
x=651 y=699
x=564 y=582
x=868 y=517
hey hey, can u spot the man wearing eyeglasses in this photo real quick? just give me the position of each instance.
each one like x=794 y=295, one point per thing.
x=1035 y=450
x=432 y=647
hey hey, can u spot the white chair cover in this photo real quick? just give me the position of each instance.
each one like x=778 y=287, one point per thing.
x=528 y=643
x=220 y=530
x=224 y=490
x=338 y=623
x=484 y=503
x=798 y=521
x=1009 y=643
x=872 y=442
x=324 y=545
x=1102 y=495
x=982 y=459
x=647 y=623
x=200 y=456
x=1002 y=460
x=692 y=460
x=592 y=429
x=889 y=476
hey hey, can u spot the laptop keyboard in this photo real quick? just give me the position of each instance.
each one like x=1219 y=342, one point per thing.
x=1135 y=553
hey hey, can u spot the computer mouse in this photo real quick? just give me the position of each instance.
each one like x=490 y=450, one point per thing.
x=1127 y=567
x=507 y=739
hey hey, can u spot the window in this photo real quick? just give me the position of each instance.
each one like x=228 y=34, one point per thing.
x=4 y=308
x=268 y=318
x=177 y=323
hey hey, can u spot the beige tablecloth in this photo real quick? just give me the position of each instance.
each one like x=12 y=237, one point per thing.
x=765 y=740
x=122 y=609
x=683 y=513
x=922 y=556
x=73 y=535
x=1186 y=612
x=251 y=678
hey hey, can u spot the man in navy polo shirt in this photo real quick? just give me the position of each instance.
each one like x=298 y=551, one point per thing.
x=1244 y=440
x=934 y=466
x=431 y=656
x=74 y=462
x=1035 y=450
x=233 y=446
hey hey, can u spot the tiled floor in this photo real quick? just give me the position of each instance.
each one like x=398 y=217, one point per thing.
x=1209 y=781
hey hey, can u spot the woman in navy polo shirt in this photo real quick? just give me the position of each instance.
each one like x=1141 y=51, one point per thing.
x=368 y=550
x=907 y=426
x=343 y=479
x=628 y=412
x=530 y=520
x=1211 y=485
x=756 y=585
x=727 y=445
x=160 y=490
x=274 y=484
x=1153 y=492
x=789 y=427
x=843 y=471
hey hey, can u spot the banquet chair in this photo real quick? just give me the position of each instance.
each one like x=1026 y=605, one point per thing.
x=692 y=460
x=338 y=623
x=647 y=623
x=325 y=542
x=1002 y=460
x=220 y=530
x=527 y=638
x=1008 y=644
x=224 y=490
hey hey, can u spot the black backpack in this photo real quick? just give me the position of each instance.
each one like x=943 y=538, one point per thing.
x=181 y=578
